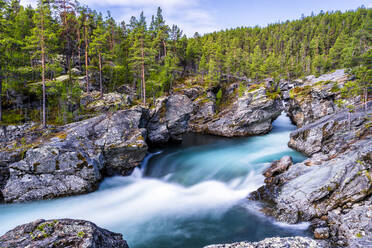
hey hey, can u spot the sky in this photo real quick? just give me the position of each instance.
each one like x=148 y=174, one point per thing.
x=205 y=16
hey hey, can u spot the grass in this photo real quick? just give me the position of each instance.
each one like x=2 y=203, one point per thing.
x=300 y=92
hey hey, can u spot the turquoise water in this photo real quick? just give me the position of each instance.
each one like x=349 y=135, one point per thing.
x=187 y=195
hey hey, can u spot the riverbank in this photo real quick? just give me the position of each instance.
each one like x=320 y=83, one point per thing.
x=328 y=188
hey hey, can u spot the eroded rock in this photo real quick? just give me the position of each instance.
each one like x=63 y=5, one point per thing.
x=169 y=119
x=61 y=233
x=74 y=160
x=292 y=242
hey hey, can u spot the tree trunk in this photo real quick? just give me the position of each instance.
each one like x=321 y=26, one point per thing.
x=165 y=48
x=143 y=75
x=79 y=47
x=365 y=99
x=1 y=95
x=100 y=74
x=43 y=69
x=86 y=55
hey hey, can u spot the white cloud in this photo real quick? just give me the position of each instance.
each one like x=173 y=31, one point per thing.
x=189 y=15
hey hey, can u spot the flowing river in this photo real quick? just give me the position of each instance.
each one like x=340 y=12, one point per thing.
x=187 y=195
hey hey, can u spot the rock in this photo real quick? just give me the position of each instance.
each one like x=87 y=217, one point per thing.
x=312 y=191
x=276 y=242
x=279 y=166
x=62 y=78
x=113 y=100
x=191 y=92
x=309 y=100
x=125 y=89
x=169 y=120
x=61 y=233
x=352 y=226
x=74 y=160
x=321 y=233
x=333 y=187
x=250 y=114
x=332 y=134
x=76 y=72
x=123 y=142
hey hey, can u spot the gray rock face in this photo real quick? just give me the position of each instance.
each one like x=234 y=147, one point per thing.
x=292 y=242
x=169 y=120
x=60 y=234
x=73 y=161
x=15 y=139
x=331 y=134
x=312 y=191
x=310 y=99
x=353 y=225
x=333 y=187
x=251 y=114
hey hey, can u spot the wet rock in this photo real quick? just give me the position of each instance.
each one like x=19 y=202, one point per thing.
x=169 y=120
x=61 y=233
x=293 y=242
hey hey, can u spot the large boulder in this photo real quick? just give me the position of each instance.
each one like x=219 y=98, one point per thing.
x=276 y=242
x=74 y=160
x=169 y=119
x=252 y=113
x=61 y=233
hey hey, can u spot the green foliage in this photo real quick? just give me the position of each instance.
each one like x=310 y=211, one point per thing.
x=81 y=234
x=242 y=88
x=155 y=56
x=219 y=97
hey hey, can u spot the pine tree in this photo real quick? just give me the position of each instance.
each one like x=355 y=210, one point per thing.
x=2 y=51
x=41 y=42
x=99 y=49
x=140 y=52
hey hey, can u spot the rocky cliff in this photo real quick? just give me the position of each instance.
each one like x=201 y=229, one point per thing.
x=241 y=109
x=333 y=187
x=74 y=159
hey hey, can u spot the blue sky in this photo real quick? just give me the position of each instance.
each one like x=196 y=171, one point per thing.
x=206 y=16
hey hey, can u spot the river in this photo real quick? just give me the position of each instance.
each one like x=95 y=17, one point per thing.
x=187 y=195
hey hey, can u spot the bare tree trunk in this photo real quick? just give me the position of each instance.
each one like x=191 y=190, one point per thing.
x=43 y=69
x=1 y=95
x=143 y=75
x=100 y=74
x=365 y=99
x=86 y=55
x=79 y=47
x=165 y=48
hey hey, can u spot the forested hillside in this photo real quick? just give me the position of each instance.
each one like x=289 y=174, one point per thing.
x=51 y=55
